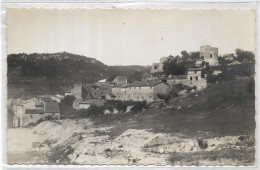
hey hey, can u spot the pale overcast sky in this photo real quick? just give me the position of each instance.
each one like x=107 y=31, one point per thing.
x=127 y=37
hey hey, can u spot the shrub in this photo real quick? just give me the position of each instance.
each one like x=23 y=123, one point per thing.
x=242 y=137
x=177 y=88
x=93 y=110
x=202 y=143
x=108 y=150
x=251 y=86
x=138 y=107
x=122 y=105
x=165 y=97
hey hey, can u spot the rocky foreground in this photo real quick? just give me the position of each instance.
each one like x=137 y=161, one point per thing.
x=82 y=142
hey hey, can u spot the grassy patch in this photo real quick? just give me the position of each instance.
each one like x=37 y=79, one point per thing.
x=243 y=155
x=59 y=155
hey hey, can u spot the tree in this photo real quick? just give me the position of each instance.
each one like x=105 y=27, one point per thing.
x=195 y=55
x=174 y=68
x=245 y=55
x=185 y=55
x=68 y=100
x=136 y=76
x=165 y=97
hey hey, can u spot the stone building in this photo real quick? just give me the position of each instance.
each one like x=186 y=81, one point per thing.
x=34 y=109
x=91 y=91
x=140 y=91
x=196 y=78
x=157 y=68
x=209 y=54
x=193 y=78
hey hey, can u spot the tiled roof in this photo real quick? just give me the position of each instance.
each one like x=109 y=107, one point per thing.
x=33 y=111
x=194 y=69
x=94 y=85
x=144 y=83
x=51 y=107
x=27 y=97
x=111 y=94
x=46 y=98
x=122 y=85
x=179 y=77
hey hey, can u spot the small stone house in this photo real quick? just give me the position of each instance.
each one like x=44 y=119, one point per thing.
x=196 y=78
x=193 y=78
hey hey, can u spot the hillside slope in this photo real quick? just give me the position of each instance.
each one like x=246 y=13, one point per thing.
x=227 y=108
x=57 y=72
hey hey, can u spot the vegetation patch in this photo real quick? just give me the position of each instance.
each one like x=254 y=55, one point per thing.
x=243 y=155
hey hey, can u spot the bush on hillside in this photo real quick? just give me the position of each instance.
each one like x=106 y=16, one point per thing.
x=93 y=110
x=203 y=144
x=139 y=106
x=121 y=106
x=245 y=55
x=251 y=86
x=66 y=107
x=179 y=87
x=68 y=100
x=165 y=97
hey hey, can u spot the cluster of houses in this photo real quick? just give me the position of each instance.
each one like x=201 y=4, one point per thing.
x=47 y=107
x=29 y=110
x=149 y=88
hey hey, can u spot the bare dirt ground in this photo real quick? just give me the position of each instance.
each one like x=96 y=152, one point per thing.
x=82 y=142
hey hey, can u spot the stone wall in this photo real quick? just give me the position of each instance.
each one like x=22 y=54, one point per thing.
x=200 y=84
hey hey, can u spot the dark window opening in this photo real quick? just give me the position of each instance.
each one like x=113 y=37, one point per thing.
x=197 y=78
x=210 y=55
x=190 y=78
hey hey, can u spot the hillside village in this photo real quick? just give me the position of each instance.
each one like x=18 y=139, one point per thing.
x=141 y=87
x=153 y=88
x=202 y=109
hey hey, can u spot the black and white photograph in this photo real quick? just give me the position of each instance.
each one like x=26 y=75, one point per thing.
x=131 y=86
